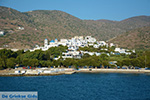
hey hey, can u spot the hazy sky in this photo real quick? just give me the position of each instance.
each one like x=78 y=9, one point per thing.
x=85 y=9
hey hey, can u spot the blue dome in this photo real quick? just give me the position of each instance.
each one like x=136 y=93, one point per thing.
x=45 y=39
x=52 y=41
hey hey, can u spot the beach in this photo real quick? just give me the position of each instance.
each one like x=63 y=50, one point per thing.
x=114 y=71
x=36 y=72
x=60 y=71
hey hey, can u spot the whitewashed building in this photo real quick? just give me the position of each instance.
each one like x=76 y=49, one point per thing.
x=96 y=46
x=63 y=42
x=20 y=28
x=102 y=43
x=74 y=43
x=71 y=54
x=111 y=44
x=2 y=33
x=90 y=39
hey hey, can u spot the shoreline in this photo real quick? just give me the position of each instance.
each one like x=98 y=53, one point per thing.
x=69 y=71
x=114 y=71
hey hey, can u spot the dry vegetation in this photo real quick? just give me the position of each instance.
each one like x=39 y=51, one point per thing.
x=43 y=24
x=137 y=38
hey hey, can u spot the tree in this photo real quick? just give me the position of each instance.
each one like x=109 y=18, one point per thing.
x=133 y=55
x=25 y=62
x=7 y=53
x=19 y=60
x=11 y=62
x=1 y=63
x=135 y=62
x=126 y=62
x=86 y=55
x=3 y=60
x=4 y=55
x=105 y=63
x=119 y=63
x=94 y=60
x=83 y=62
x=33 y=62
x=68 y=62
x=20 y=52
x=104 y=60
x=104 y=57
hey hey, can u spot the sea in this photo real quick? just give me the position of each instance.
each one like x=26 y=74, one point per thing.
x=82 y=86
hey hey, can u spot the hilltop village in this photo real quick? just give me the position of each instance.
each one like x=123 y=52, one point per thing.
x=77 y=42
x=81 y=54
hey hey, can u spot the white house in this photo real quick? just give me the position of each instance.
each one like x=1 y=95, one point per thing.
x=20 y=28
x=63 y=42
x=117 y=50
x=120 y=50
x=91 y=44
x=104 y=49
x=71 y=54
x=97 y=54
x=111 y=44
x=96 y=46
x=90 y=39
x=72 y=48
x=78 y=37
x=2 y=33
x=102 y=43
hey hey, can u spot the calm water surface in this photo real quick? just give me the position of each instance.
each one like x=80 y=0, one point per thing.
x=81 y=86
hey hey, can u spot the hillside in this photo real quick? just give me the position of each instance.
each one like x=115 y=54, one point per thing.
x=137 y=38
x=51 y=24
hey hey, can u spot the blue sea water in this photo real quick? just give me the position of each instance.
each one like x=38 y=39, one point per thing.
x=82 y=86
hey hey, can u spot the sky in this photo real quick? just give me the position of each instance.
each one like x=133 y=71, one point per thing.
x=116 y=10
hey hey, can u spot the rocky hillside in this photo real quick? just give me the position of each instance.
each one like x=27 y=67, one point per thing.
x=137 y=38
x=41 y=24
